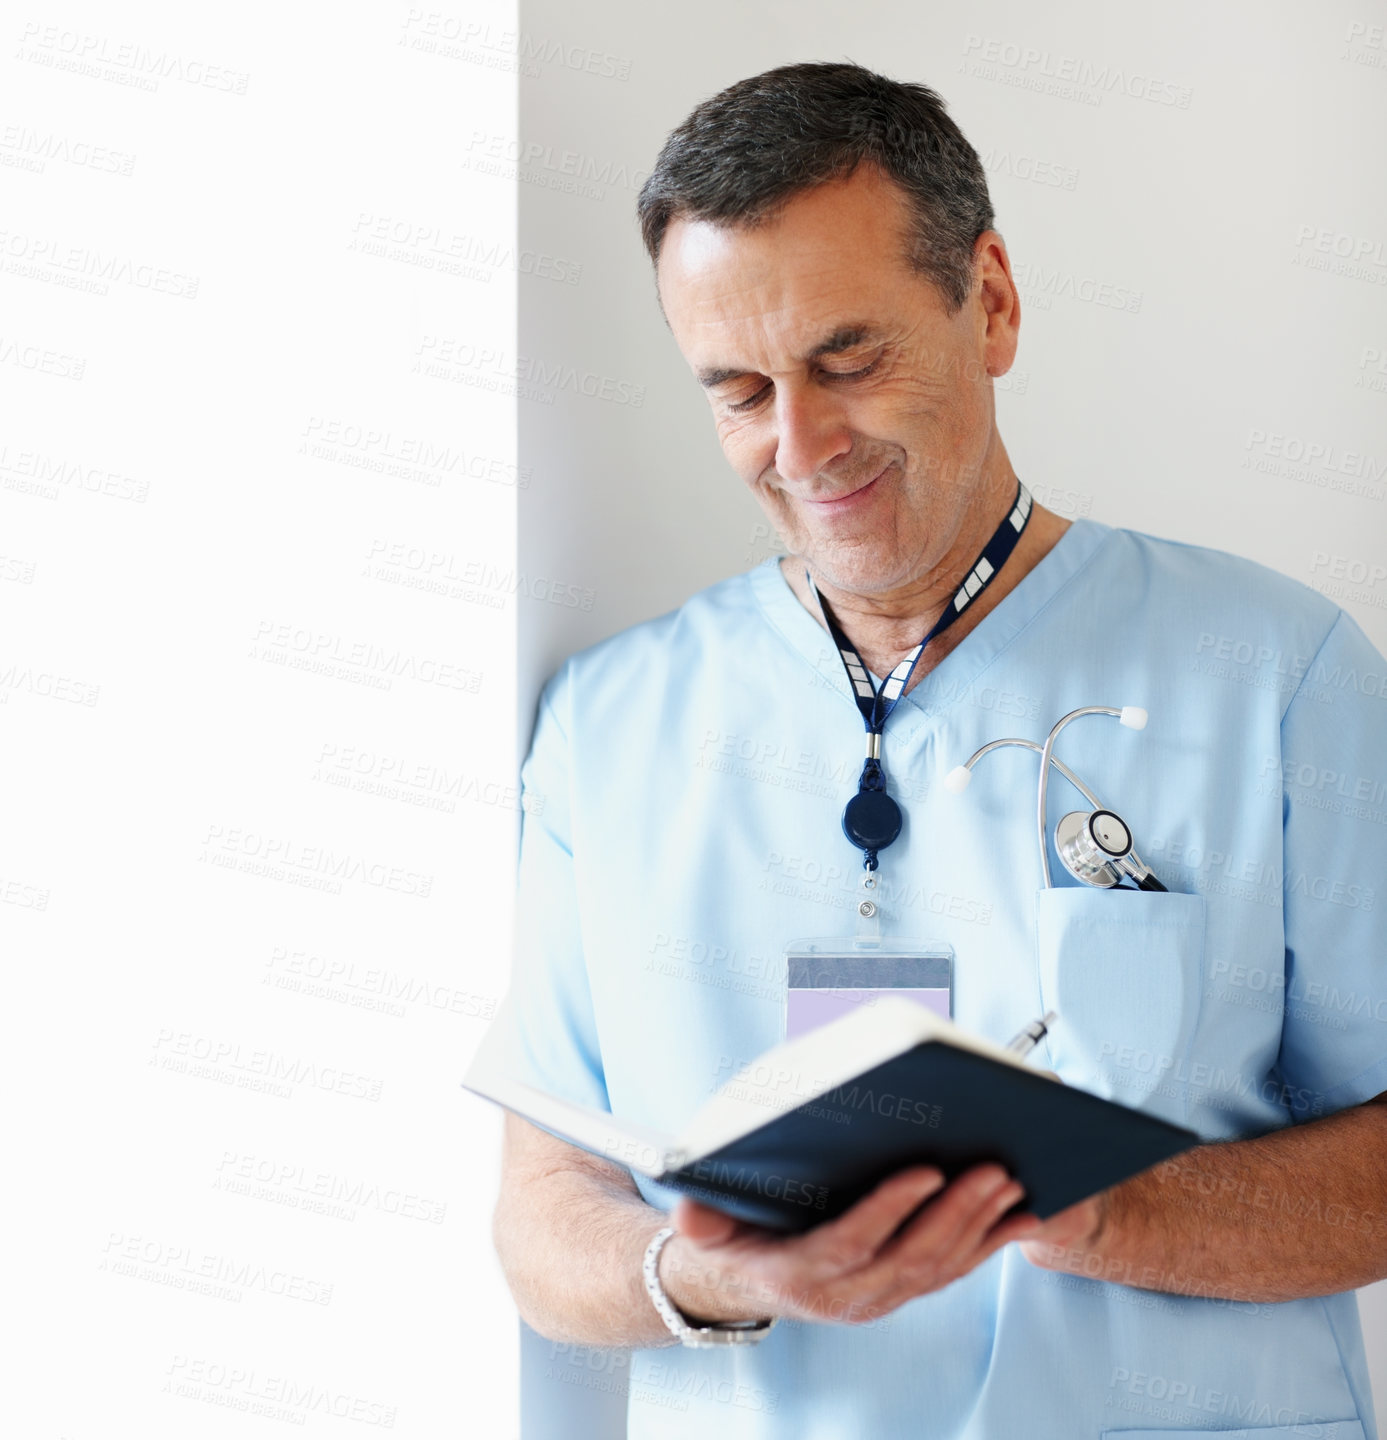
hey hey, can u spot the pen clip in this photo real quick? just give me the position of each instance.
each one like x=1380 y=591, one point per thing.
x=1026 y=1039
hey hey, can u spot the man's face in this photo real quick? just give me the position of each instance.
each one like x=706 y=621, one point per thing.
x=854 y=406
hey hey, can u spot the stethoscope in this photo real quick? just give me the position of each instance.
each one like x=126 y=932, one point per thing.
x=1096 y=848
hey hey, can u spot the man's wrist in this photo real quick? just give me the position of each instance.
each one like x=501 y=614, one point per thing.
x=703 y=1293
x=1104 y=1221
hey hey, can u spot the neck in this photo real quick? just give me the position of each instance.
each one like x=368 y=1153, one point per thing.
x=885 y=626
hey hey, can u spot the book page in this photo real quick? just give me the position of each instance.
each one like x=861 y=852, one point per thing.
x=598 y=1131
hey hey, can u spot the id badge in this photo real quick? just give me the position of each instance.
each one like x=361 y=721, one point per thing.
x=829 y=978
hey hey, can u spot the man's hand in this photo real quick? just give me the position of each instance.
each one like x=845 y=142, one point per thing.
x=1285 y=1216
x=1077 y=1229
x=909 y=1237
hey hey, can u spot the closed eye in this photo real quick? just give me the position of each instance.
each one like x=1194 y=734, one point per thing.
x=752 y=401
x=851 y=374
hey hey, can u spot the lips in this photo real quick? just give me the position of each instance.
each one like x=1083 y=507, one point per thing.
x=841 y=501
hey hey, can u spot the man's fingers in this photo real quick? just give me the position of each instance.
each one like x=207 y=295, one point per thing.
x=853 y=1239
x=945 y=1224
x=936 y=1246
x=1024 y=1226
x=985 y=1217
x=880 y=1248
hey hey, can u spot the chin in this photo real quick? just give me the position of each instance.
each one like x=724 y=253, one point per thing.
x=862 y=569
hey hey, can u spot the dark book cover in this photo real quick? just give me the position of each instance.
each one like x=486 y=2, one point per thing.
x=934 y=1104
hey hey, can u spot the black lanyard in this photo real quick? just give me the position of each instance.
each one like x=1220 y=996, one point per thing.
x=872 y=819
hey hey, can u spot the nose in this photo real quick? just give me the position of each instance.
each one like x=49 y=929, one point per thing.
x=811 y=430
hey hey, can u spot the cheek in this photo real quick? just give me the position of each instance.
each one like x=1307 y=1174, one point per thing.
x=746 y=449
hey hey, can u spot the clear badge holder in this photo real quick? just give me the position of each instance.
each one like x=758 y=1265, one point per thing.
x=830 y=978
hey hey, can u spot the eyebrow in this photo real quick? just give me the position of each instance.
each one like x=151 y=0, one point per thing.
x=845 y=338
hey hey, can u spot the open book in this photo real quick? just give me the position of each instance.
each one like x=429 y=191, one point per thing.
x=814 y=1124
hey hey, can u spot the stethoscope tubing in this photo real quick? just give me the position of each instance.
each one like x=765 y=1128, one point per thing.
x=1047 y=754
x=1039 y=750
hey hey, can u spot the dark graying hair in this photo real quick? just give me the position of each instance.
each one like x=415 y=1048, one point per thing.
x=742 y=154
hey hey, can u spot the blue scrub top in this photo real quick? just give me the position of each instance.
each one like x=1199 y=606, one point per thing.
x=684 y=794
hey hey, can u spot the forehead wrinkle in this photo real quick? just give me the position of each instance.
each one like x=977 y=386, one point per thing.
x=743 y=282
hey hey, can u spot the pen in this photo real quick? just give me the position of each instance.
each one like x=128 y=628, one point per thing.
x=1026 y=1039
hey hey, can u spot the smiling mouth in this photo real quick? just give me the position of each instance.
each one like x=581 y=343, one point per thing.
x=841 y=500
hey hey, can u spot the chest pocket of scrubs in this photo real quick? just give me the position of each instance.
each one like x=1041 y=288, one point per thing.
x=1125 y=972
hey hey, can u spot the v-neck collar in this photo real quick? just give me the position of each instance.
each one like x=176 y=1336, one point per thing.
x=952 y=678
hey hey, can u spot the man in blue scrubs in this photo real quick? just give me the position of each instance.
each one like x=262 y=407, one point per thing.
x=826 y=262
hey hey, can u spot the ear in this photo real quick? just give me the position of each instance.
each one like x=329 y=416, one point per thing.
x=999 y=304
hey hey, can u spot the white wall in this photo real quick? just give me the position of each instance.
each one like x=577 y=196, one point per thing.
x=257 y=826
x=1184 y=416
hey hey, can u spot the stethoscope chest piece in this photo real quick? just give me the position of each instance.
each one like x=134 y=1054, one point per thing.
x=1087 y=841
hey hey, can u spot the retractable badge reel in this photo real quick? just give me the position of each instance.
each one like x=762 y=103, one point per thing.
x=828 y=977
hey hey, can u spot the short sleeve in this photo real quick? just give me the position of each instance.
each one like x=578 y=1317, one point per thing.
x=1334 y=806
x=545 y=1034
